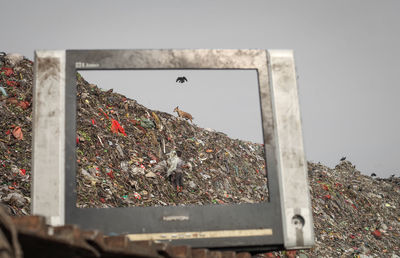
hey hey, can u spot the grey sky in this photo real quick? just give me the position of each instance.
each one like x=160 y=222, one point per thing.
x=347 y=55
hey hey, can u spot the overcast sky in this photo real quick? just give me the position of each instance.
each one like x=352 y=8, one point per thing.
x=347 y=56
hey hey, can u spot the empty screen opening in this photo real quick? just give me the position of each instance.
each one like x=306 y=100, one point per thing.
x=131 y=126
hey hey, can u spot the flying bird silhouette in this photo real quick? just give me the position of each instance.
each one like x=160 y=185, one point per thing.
x=181 y=79
x=342 y=159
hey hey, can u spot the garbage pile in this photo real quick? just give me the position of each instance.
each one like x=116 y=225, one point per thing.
x=16 y=75
x=124 y=151
x=354 y=214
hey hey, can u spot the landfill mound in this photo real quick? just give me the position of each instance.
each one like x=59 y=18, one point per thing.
x=123 y=150
x=353 y=213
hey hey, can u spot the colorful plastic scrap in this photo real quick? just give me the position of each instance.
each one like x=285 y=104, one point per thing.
x=116 y=127
x=17 y=133
x=7 y=71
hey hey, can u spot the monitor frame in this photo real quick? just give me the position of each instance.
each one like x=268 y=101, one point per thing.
x=283 y=222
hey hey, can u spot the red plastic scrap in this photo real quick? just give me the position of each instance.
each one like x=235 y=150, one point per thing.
x=11 y=83
x=7 y=71
x=110 y=174
x=17 y=133
x=24 y=104
x=104 y=113
x=93 y=122
x=23 y=171
x=326 y=188
x=327 y=196
x=141 y=128
x=116 y=127
x=377 y=233
x=102 y=200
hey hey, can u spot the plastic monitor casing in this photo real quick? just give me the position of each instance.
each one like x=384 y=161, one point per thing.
x=283 y=222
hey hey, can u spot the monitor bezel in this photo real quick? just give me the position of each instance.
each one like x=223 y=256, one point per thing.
x=252 y=226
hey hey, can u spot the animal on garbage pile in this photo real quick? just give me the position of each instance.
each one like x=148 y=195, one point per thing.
x=181 y=79
x=183 y=114
x=343 y=159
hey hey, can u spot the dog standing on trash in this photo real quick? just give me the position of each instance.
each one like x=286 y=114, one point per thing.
x=175 y=171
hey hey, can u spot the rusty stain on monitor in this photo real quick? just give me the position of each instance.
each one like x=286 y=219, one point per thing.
x=283 y=222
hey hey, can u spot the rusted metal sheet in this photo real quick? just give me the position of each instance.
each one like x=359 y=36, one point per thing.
x=200 y=253
x=9 y=244
x=228 y=254
x=215 y=254
x=123 y=245
x=32 y=224
x=30 y=236
x=243 y=255
x=181 y=251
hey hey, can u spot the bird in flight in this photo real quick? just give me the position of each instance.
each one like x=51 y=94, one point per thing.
x=342 y=159
x=181 y=79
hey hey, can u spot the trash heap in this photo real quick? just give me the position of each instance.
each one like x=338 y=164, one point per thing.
x=15 y=132
x=353 y=213
x=124 y=151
